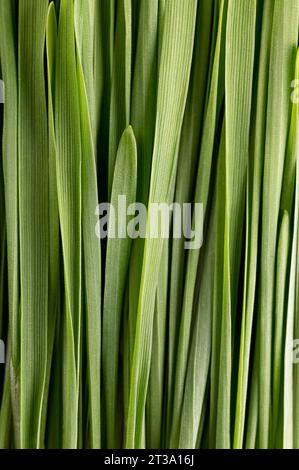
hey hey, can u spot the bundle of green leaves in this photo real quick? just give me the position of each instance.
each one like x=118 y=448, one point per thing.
x=137 y=342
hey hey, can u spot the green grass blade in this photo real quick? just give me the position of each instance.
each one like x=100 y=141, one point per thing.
x=54 y=276
x=279 y=322
x=289 y=176
x=2 y=241
x=121 y=83
x=144 y=93
x=155 y=395
x=34 y=223
x=117 y=261
x=8 y=54
x=105 y=42
x=85 y=26
x=289 y=388
x=251 y=432
x=296 y=330
x=294 y=136
x=52 y=435
x=290 y=426
x=161 y=12
x=68 y=167
x=6 y=422
x=98 y=74
x=217 y=284
x=91 y=250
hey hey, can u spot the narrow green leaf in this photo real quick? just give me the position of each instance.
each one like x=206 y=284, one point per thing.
x=279 y=322
x=155 y=405
x=107 y=45
x=251 y=433
x=8 y=54
x=290 y=427
x=54 y=275
x=91 y=248
x=68 y=168
x=34 y=222
x=85 y=38
x=121 y=83
x=144 y=93
x=117 y=261
x=217 y=283
x=6 y=416
x=296 y=329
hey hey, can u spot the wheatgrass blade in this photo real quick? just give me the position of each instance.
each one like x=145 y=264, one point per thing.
x=290 y=383
x=6 y=418
x=117 y=261
x=251 y=428
x=2 y=238
x=155 y=404
x=288 y=378
x=54 y=253
x=121 y=83
x=279 y=321
x=294 y=136
x=85 y=26
x=9 y=66
x=217 y=286
x=283 y=44
x=239 y=61
x=68 y=168
x=105 y=42
x=33 y=218
x=91 y=251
